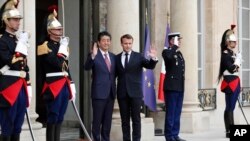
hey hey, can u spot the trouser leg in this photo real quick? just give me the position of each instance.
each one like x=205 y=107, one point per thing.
x=15 y=137
x=4 y=138
x=227 y=123
x=50 y=132
x=57 y=132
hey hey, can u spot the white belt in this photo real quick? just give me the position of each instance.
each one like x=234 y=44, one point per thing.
x=53 y=74
x=4 y=69
x=12 y=73
x=226 y=72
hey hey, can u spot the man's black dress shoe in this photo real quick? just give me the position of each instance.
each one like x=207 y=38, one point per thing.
x=179 y=139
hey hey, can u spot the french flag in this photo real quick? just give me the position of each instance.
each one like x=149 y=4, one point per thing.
x=163 y=70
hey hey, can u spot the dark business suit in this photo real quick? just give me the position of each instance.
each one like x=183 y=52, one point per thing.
x=173 y=90
x=129 y=92
x=102 y=93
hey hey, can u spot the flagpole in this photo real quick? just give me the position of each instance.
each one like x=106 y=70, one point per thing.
x=63 y=17
x=168 y=18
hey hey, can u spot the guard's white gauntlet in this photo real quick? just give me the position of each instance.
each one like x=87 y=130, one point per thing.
x=63 y=49
x=29 y=89
x=73 y=91
x=23 y=43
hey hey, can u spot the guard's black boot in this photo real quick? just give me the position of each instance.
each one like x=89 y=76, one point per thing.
x=231 y=119
x=57 y=132
x=231 y=115
x=227 y=123
x=50 y=132
x=4 y=138
x=15 y=137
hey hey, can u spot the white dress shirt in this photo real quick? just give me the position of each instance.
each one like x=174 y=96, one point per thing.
x=124 y=56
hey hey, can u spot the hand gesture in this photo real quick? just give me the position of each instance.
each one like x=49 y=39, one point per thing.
x=63 y=49
x=152 y=52
x=64 y=41
x=238 y=59
x=94 y=49
x=24 y=37
x=176 y=41
x=238 y=55
x=23 y=43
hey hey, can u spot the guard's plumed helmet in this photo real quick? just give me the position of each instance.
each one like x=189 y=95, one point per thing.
x=230 y=36
x=52 y=22
x=10 y=11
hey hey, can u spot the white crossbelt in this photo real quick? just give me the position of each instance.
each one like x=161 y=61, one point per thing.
x=226 y=72
x=53 y=74
x=12 y=73
x=4 y=69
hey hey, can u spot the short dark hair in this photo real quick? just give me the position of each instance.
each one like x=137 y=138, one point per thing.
x=103 y=33
x=127 y=36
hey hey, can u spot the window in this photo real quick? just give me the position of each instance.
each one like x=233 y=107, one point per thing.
x=244 y=40
x=201 y=45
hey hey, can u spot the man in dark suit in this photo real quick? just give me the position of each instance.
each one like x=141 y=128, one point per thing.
x=173 y=86
x=103 y=88
x=129 y=66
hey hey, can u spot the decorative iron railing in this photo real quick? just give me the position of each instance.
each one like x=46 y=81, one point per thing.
x=245 y=96
x=207 y=99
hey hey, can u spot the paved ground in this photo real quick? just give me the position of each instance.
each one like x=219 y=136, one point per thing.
x=216 y=134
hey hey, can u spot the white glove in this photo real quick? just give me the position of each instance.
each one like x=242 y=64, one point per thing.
x=176 y=42
x=29 y=89
x=63 y=49
x=238 y=55
x=73 y=91
x=23 y=44
x=238 y=59
x=23 y=37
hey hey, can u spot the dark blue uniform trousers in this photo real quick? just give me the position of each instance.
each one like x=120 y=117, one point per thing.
x=231 y=99
x=174 y=102
x=11 y=119
x=57 y=108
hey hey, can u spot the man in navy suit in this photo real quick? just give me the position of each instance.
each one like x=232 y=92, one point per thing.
x=103 y=88
x=129 y=66
x=173 y=86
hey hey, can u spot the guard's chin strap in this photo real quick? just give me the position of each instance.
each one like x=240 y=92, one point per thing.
x=57 y=35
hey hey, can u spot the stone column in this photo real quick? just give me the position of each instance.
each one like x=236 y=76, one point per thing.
x=123 y=18
x=183 y=17
x=28 y=24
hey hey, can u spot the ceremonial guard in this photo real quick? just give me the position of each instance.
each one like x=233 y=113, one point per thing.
x=58 y=87
x=229 y=67
x=15 y=89
x=173 y=86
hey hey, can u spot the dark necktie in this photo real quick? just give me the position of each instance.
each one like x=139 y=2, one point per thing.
x=126 y=60
x=107 y=61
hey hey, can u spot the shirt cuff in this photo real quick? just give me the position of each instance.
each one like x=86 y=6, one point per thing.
x=92 y=56
x=155 y=58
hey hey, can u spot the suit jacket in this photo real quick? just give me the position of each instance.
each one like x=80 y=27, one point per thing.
x=103 y=81
x=175 y=69
x=130 y=78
